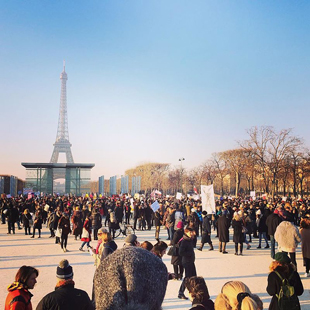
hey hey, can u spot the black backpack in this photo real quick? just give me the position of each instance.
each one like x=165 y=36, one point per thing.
x=287 y=299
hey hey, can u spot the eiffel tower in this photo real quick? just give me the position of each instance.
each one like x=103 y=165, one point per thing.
x=62 y=144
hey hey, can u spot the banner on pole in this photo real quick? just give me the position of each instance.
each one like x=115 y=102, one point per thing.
x=207 y=198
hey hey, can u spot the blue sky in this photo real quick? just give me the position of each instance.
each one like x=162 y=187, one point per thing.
x=149 y=80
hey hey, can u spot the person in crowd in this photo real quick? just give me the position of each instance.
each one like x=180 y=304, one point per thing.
x=305 y=243
x=64 y=225
x=50 y=223
x=96 y=222
x=288 y=237
x=107 y=246
x=199 y=294
x=12 y=216
x=27 y=221
x=186 y=251
x=236 y=295
x=86 y=234
x=262 y=229
x=113 y=223
x=170 y=222
x=206 y=232
x=176 y=260
x=282 y=268
x=272 y=222
x=65 y=296
x=223 y=224
x=37 y=223
x=130 y=278
x=131 y=240
x=238 y=236
x=158 y=222
x=77 y=221
x=19 y=297
x=146 y=245
x=127 y=210
x=58 y=215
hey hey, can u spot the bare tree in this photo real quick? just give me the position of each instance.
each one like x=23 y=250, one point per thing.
x=220 y=169
x=236 y=163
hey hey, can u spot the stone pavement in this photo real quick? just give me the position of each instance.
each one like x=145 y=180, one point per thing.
x=252 y=268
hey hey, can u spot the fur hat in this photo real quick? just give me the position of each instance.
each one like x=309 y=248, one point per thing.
x=130 y=278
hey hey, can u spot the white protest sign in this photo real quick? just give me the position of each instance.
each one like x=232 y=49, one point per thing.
x=253 y=195
x=207 y=198
x=179 y=196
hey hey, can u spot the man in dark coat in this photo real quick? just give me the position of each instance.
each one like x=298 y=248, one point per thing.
x=65 y=296
x=223 y=224
x=186 y=251
x=12 y=217
x=272 y=222
x=206 y=232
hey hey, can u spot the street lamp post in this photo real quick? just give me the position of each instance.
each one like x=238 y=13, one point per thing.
x=181 y=160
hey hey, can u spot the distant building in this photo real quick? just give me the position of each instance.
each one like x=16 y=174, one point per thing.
x=11 y=185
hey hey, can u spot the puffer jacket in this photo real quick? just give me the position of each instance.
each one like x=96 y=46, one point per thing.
x=19 y=298
x=287 y=236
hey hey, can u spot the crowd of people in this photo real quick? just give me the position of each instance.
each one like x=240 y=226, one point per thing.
x=122 y=278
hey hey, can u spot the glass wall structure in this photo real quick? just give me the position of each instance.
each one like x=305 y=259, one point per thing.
x=40 y=177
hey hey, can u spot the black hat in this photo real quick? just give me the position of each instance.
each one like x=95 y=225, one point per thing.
x=64 y=270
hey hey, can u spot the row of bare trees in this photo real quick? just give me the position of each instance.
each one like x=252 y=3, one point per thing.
x=269 y=161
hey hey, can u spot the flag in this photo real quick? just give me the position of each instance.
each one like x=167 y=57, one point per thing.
x=195 y=190
x=207 y=198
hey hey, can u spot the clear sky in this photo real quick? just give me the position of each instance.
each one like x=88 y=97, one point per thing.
x=149 y=80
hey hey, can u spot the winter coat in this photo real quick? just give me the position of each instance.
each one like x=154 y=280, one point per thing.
x=287 y=236
x=262 y=227
x=65 y=298
x=223 y=224
x=206 y=230
x=305 y=242
x=106 y=248
x=37 y=223
x=96 y=220
x=170 y=220
x=274 y=286
x=119 y=213
x=27 y=219
x=238 y=236
x=177 y=260
x=12 y=215
x=87 y=226
x=56 y=219
x=272 y=222
x=130 y=278
x=18 y=299
x=186 y=250
x=64 y=225
x=77 y=223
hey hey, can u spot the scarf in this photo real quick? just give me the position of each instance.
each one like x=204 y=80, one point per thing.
x=63 y=283
x=17 y=286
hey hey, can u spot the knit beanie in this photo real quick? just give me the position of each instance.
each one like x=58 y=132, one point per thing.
x=132 y=238
x=130 y=278
x=64 y=270
x=282 y=257
x=180 y=225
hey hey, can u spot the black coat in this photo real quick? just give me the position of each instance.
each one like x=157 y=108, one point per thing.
x=177 y=260
x=274 y=286
x=272 y=222
x=26 y=218
x=223 y=224
x=206 y=230
x=66 y=298
x=186 y=250
x=238 y=236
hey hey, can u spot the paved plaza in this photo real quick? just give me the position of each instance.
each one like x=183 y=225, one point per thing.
x=216 y=268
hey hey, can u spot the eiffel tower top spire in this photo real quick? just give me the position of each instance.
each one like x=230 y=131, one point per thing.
x=62 y=144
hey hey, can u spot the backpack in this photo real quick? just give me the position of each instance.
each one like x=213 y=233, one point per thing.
x=287 y=299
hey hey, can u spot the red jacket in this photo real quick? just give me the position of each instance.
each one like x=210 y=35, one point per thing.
x=19 y=298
